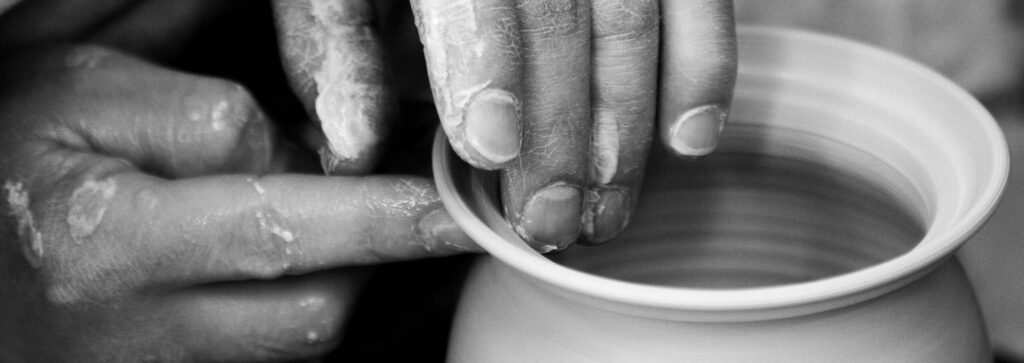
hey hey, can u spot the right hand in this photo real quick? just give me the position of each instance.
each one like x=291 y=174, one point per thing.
x=558 y=94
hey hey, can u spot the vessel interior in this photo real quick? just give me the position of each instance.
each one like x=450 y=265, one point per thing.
x=763 y=210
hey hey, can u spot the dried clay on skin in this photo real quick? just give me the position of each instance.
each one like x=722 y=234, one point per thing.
x=343 y=104
x=217 y=115
x=440 y=36
x=270 y=224
x=87 y=206
x=605 y=150
x=268 y=220
x=31 y=239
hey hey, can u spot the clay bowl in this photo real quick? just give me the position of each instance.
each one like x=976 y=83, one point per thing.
x=823 y=229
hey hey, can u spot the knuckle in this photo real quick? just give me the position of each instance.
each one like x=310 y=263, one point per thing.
x=232 y=108
x=68 y=282
x=64 y=240
x=625 y=19
x=626 y=80
x=710 y=73
x=466 y=24
x=232 y=118
x=352 y=13
x=57 y=267
x=553 y=18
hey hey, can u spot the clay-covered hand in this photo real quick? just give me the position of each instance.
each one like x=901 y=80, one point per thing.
x=561 y=95
x=145 y=218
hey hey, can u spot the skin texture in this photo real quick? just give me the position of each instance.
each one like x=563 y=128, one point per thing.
x=151 y=214
x=581 y=76
x=697 y=76
x=147 y=215
x=560 y=96
x=335 y=62
x=625 y=46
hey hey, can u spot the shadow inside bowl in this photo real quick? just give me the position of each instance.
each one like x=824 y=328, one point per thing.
x=761 y=211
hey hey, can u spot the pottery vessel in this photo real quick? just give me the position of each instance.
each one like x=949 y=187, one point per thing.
x=823 y=229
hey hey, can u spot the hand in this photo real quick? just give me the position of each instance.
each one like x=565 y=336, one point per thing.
x=559 y=95
x=145 y=218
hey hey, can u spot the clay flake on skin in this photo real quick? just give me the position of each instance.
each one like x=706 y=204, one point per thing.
x=87 y=206
x=30 y=237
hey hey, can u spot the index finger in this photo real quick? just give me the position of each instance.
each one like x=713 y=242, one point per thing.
x=142 y=231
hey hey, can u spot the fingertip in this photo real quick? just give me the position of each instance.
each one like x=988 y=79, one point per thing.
x=696 y=132
x=442 y=234
x=332 y=164
x=607 y=214
x=551 y=217
x=698 y=73
x=475 y=86
x=353 y=138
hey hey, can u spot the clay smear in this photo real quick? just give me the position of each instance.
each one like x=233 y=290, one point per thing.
x=87 y=206
x=30 y=237
x=218 y=115
x=605 y=150
x=340 y=101
x=441 y=36
x=269 y=225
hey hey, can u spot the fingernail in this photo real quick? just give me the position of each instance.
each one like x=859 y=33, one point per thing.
x=696 y=132
x=440 y=232
x=607 y=217
x=551 y=217
x=492 y=126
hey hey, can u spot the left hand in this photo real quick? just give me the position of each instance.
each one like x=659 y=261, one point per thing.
x=148 y=215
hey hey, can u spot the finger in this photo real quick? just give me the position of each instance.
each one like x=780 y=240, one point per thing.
x=49 y=21
x=166 y=122
x=698 y=71
x=158 y=29
x=139 y=231
x=473 y=57
x=335 y=63
x=542 y=191
x=625 y=61
x=287 y=319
